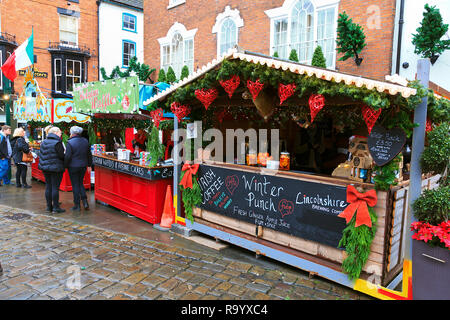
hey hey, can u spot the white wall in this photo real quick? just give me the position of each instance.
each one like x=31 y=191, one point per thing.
x=111 y=35
x=413 y=15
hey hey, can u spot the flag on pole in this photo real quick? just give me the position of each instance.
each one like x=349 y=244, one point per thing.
x=21 y=58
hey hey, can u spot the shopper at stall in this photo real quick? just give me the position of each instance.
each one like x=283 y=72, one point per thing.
x=51 y=162
x=77 y=158
x=5 y=154
x=140 y=141
x=20 y=147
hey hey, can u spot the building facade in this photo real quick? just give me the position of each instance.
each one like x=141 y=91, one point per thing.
x=192 y=33
x=65 y=41
x=121 y=33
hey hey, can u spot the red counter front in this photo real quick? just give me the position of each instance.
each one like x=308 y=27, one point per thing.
x=135 y=195
x=66 y=185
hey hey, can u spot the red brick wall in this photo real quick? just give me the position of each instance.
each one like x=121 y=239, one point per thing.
x=255 y=34
x=18 y=17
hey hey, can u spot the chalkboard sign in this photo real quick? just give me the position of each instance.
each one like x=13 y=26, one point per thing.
x=155 y=173
x=300 y=208
x=385 y=145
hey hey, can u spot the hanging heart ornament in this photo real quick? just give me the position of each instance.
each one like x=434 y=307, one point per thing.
x=179 y=110
x=206 y=96
x=370 y=116
x=157 y=116
x=316 y=103
x=254 y=87
x=231 y=84
x=285 y=91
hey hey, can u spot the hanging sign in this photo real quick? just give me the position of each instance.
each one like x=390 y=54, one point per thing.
x=385 y=145
x=109 y=96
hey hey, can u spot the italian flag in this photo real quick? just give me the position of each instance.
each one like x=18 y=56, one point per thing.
x=21 y=58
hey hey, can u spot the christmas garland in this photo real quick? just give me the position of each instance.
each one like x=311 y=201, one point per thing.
x=191 y=195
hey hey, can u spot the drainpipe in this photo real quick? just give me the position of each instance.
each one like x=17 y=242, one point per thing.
x=98 y=38
x=399 y=40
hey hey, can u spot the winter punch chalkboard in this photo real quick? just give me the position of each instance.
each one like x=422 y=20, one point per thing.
x=385 y=145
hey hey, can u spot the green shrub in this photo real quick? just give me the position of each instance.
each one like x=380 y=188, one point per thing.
x=433 y=206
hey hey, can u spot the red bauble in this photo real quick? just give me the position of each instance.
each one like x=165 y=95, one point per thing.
x=254 y=87
x=370 y=116
x=285 y=91
x=231 y=84
x=157 y=116
x=428 y=126
x=206 y=96
x=316 y=103
x=179 y=110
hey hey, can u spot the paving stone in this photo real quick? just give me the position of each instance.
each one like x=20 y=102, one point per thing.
x=114 y=290
x=134 y=278
x=169 y=285
x=136 y=290
x=152 y=294
x=257 y=286
x=153 y=280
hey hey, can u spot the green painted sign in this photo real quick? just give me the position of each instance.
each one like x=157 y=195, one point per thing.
x=109 y=96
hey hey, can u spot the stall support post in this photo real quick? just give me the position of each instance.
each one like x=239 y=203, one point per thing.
x=418 y=142
x=8 y=91
x=176 y=170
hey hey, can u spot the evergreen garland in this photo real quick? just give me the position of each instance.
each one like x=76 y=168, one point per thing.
x=155 y=147
x=385 y=175
x=143 y=71
x=191 y=197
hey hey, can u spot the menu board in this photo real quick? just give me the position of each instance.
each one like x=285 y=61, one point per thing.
x=385 y=145
x=304 y=209
x=154 y=173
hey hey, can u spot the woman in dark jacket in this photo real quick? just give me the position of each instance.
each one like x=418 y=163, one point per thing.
x=78 y=157
x=51 y=162
x=19 y=147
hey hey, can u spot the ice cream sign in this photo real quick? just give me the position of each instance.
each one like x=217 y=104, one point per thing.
x=109 y=96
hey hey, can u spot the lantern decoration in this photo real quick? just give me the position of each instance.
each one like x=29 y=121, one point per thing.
x=157 y=116
x=179 y=110
x=285 y=91
x=316 y=103
x=254 y=87
x=206 y=96
x=370 y=116
x=231 y=84
x=428 y=126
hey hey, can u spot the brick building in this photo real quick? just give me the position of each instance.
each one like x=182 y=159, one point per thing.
x=65 y=40
x=192 y=33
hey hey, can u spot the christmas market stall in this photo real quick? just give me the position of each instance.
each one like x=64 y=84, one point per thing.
x=132 y=176
x=325 y=186
x=33 y=107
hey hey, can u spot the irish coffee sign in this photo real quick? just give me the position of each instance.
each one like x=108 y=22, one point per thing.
x=304 y=209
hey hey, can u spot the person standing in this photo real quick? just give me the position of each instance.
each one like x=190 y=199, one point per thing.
x=5 y=154
x=51 y=163
x=77 y=158
x=20 y=146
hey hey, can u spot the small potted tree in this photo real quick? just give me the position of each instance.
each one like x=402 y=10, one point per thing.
x=431 y=244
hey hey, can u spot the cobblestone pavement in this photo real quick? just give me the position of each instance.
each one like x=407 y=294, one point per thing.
x=48 y=257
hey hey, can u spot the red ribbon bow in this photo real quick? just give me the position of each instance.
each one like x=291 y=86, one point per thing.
x=358 y=203
x=189 y=170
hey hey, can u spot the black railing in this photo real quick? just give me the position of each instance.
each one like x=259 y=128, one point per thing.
x=65 y=46
x=10 y=38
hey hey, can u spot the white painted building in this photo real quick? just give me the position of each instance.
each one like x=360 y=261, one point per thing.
x=121 y=33
x=407 y=62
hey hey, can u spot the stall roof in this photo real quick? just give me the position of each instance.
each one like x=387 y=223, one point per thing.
x=325 y=74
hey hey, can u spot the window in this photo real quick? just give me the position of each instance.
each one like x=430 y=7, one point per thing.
x=303 y=25
x=128 y=52
x=73 y=74
x=177 y=49
x=58 y=74
x=128 y=22
x=68 y=29
x=227 y=29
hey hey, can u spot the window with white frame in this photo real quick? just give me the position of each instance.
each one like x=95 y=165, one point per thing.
x=58 y=74
x=129 y=51
x=303 y=25
x=73 y=74
x=68 y=29
x=227 y=29
x=177 y=49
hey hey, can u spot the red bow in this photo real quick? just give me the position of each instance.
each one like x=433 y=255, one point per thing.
x=189 y=170
x=358 y=203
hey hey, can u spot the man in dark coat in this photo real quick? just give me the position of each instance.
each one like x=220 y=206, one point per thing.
x=51 y=162
x=20 y=146
x=5 y=154
x=77 y=158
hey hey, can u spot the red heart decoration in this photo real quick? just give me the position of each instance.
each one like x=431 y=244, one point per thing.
x=157 y=116
x=285 y=207
x=370 y=116
x=254 y=87
x=206 y=96
x=231 y=84
x=316 y=103
x=285 y=91
x=231 y=182
x=179 y=110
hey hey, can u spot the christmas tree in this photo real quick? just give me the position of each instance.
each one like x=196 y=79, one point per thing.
x=351 y=39
x=293 y=55
x=184 y=72
x=142 y=70
x=162 y=76
x=318 y=59
x=427 y=40
x=170 y=76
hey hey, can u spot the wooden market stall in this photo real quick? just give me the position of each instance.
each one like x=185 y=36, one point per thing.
x=343 y=146
x=127 y=180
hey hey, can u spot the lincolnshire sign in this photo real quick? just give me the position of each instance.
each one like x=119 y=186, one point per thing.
x=36 y=73
x=304 y=209
x=385 y=145
x=155 y=173
x=109 y=96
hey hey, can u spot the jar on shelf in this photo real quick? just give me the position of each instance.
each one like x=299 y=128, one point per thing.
x=285 y=161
